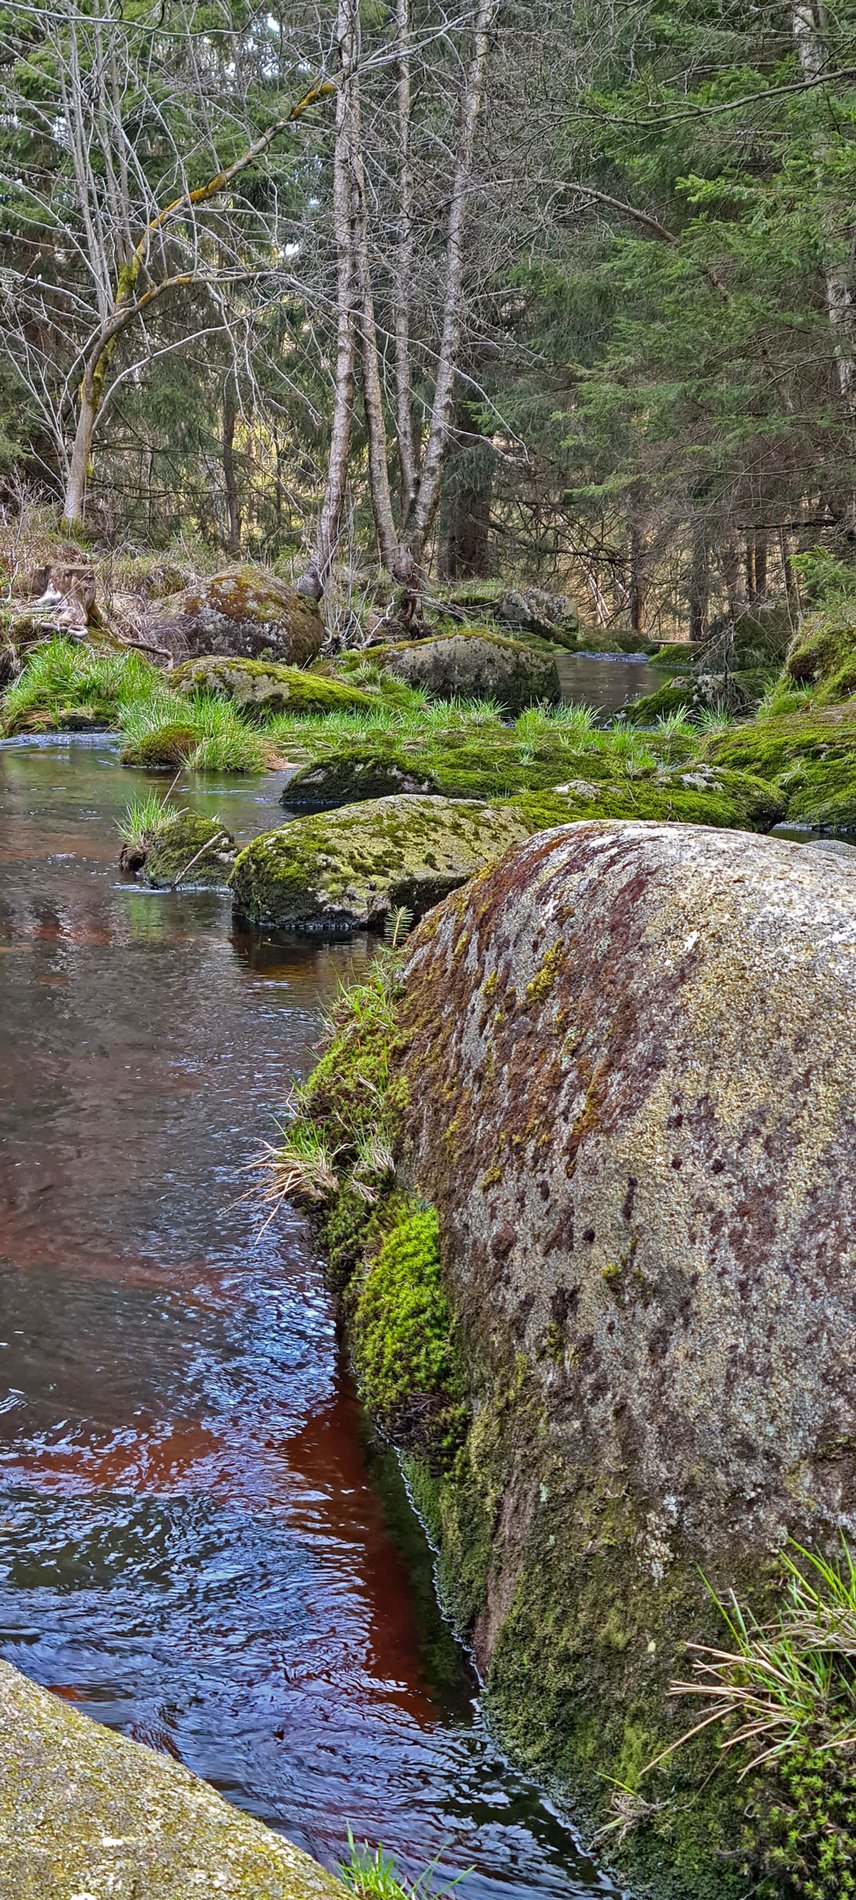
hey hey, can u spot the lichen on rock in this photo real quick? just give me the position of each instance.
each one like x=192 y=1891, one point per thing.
x=243 y=613
x=85 y=1813
x=349 y=871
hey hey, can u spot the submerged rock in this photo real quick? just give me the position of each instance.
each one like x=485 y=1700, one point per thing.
x=350 y=871
x=630 y=1074
x=474 y=663
x=262 y=687
x=243 y=613
x=87 y=1815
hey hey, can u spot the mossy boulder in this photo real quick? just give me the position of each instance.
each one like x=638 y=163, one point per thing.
x=527 y=610
x=87 y=1815
x=184 y=848
x=695 y=794
x=809 y=757
x=628 y=1087
x=823 y=654
x=260 y=688
x=474 y=663
x=562 y=785
x=350 y=871
x=245 y=614
x=163 y=749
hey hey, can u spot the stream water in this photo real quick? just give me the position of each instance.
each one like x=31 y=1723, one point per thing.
x=201 y=1541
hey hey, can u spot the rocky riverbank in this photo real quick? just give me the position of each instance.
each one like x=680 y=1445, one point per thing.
x=600 y=1267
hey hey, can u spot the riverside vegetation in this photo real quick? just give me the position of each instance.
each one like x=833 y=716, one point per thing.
x=704 y=1730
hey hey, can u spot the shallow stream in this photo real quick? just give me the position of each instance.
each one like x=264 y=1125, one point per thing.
x=201 y=1541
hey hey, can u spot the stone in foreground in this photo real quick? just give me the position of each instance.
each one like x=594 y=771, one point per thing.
x=632 y=1087
x=351 y=869
x=86 y=1815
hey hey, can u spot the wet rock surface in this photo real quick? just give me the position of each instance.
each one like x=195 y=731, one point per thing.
x=86 y=1815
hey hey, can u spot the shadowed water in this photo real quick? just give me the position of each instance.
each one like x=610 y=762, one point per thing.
x=201 y=1542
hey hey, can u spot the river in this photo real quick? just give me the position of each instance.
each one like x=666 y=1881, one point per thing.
x=202 y=1543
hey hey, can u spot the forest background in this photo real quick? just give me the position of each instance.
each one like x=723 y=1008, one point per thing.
x=548 y=289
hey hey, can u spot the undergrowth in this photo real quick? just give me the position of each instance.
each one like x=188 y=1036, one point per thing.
x=63 y=682
x=372 y=1874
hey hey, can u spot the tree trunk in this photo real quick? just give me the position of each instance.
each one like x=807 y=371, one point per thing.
x=428 y=493
x=233 y=510
x=74 y=504
x=808 y=30
x=636 y=591
x=347 y=306
x=760 y=567
x=699 y=587
x=467 y=496
x=404 y=271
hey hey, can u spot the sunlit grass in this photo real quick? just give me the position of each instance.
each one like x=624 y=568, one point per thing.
x=146 y=819
x=62 y=678
x=789 y=1683
x=204 y=733
x=371 y=1873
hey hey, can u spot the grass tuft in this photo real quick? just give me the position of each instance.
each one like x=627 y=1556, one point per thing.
x=371 y=1873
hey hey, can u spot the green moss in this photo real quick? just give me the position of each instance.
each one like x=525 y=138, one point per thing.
x=800 y=1838
x=809 y=756
x=260 y=688
x=404 y=1336
x=823 y=653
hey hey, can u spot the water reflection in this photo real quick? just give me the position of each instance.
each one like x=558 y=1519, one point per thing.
x=200 y=1541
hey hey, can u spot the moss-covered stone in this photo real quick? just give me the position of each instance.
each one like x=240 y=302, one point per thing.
x=692 y=795
x=350 y=871
x=260 y=688
x=622 y=1070
x=163 y=749
x=809 y=757
x=823 y=653
x=188 y=850
x=474 y=663
x=243 y=613
x=632 y=1114
x=83 y=1812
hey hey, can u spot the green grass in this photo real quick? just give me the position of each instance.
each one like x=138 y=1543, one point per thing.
x=64 y=682
x=790 y=1683
x=203 y=733
x=371 y=1873
x=147 y=818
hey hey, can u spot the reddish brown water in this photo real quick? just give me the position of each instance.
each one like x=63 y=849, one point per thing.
x=201 y=1542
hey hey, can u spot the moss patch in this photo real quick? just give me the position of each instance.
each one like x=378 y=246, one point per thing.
x=351 y=870
x=260 y=688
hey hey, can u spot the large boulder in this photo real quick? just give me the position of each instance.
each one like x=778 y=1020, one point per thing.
x=181 y=847
x=352 y=870
x=87 y=1815
x=245 y=614
x=260 y=688
x=631 y=1083
x=474 y=663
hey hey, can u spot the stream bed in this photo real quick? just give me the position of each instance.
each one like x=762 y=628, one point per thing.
x=202 y=1543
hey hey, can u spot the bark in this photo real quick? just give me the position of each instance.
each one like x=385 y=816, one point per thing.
x=636 y=591
x=428 y=493
x=378 y=448
x=233 y=508
x=404 y=271
x=347 y=305
x=699 y=588
x=468 y=492
x=807 y=24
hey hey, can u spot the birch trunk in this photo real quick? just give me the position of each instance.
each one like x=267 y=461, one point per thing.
x=404 y=271
x=428 y=493
x=230 y=479
x=347 y=301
